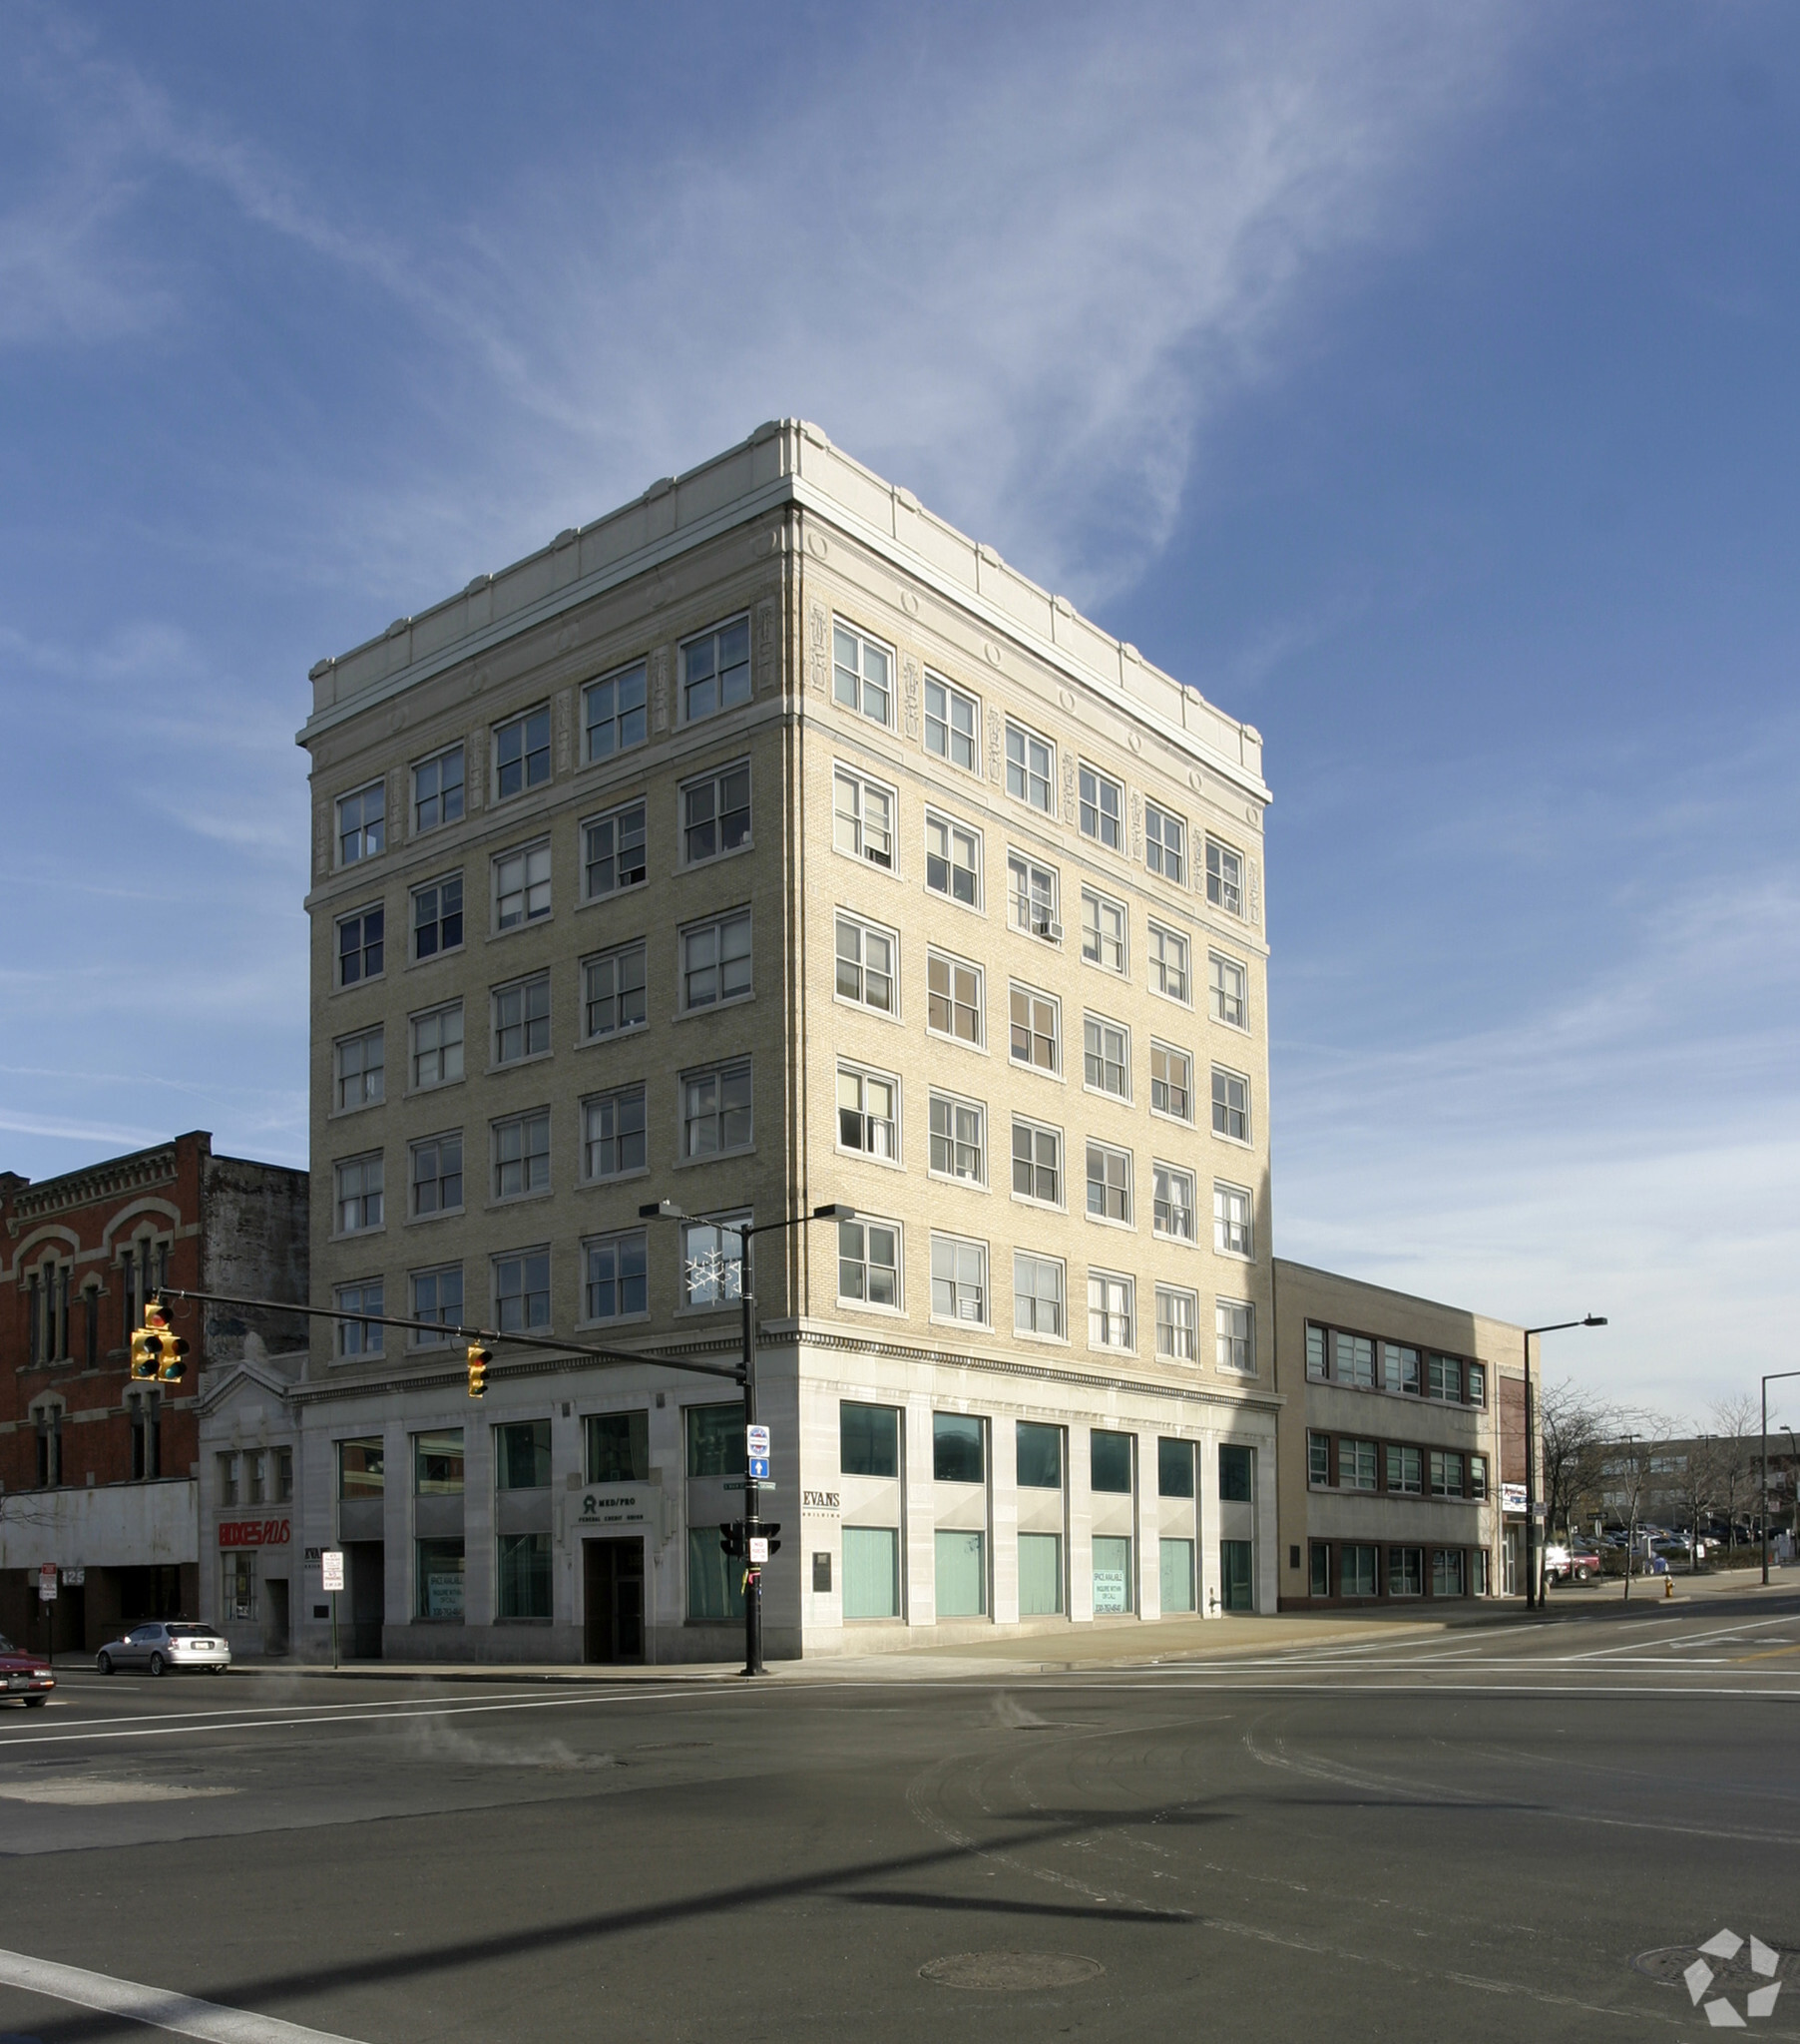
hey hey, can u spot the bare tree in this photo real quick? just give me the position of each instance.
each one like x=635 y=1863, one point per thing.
x=1574 y=1427
x=1737 y=1455
x=1626 y=1465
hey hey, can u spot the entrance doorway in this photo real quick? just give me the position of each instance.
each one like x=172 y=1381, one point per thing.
x=613 y=1600
x=365 y=1577
x=1234 y=1575
x=274 y=1623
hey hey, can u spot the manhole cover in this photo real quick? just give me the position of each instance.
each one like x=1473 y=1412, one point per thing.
x=1012 y=1970
x=1668 y=1963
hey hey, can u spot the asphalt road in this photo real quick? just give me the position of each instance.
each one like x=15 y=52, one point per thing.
x=1470 y=1836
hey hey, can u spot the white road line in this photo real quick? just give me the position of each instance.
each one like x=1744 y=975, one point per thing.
x=1724 y=1632
x=250 y=1713
x=156 y=2006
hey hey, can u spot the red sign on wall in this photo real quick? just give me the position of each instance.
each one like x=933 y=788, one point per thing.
x=253 y=1532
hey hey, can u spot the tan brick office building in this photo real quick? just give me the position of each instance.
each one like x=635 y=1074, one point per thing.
x=762 y=844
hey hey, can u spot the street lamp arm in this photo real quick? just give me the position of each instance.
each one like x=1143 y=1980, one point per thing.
x=1533 y=1550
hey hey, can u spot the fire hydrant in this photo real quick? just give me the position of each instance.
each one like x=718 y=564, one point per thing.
x=1668 y=1586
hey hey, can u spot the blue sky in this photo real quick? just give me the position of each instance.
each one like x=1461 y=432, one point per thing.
x=1419 y=382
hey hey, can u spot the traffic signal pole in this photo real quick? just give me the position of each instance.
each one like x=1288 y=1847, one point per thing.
x=752 y=1496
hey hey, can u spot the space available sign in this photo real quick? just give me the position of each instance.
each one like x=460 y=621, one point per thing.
x=253 y=1532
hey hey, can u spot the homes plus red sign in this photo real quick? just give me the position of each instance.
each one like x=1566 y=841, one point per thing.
x=253 y=1532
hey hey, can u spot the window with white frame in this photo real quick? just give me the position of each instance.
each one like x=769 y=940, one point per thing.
x=1356 y=1466
x=1230 y=1105
x=616 y=1285
x=522 y=1154
x=522 y=1019
x=1038 y=1162
x=959 y=1147
x=437 y=1046
x=862 y=673
x=1164 y=843
x=1036 y=1029
x=1234 y=1333
x=868 y=1113
x=613 y=851
x=1231 y=1235
x=1101 y=807
x=1109 y=1310
x=522 y=752
x=613 y=990
x=952 y=723
x=1168 y=964
x=953 y=860
x=613 y=709
x=438 y=916
x=1109 y=1183
x=362 y=824
x=1229 y=990
x=359 y=1204
x=959 y=1280
x=521 y=886
x=863 y=817
x=437 y=1295
x=866 y=960
x=715 y=1111
x=1106 y=1056
x=715 y=813
x=1031 y=768
x=1178 y=1317
x=1038 y=1294
x=1102 y=930
x=1406 y=1471
x=522 y=1291
x=868 y=1261
x=360 y=945
x=612 y=1134
x=436 y=1175
x=1225 y=878
x=437 y=790
x=354 y=1337
x=953 y=1005
x=1171 y=1082
x=1172 y=1213
x=362 y=1069
x=716 y=960
x=712 y=1260
x=1032 y=892
x=716 y=671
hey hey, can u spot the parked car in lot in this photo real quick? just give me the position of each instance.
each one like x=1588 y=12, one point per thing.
x=161 y=1648
x=23 y=1677
x=1571 y=1564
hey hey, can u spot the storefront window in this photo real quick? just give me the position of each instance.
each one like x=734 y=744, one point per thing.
x=868 y=1440
x=1040 y=1572
x=524 y=1578
x=714 y=1580
x=440 y=1578
x=962 y=1571
x=715 y=1440
x=239 y=1578
x=359 y=1469
x=1040 y=1460
x=1112 y=1573
x=1174 y=1471
x=1178 y=1576
x=522 y=1462
x=871 y=1572
x=437 y=1465
x=1235 y=1474
x=956 y=1448
x=618 y=1447
x=1109 y=1462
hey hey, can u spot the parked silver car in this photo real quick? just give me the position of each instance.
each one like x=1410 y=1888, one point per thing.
x=159 y=1648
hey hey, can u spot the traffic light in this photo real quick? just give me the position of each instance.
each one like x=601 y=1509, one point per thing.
x=772 y=1528
x=731 y=1538
x=146 y=1341
x=172 y=1352
x=479 y=1358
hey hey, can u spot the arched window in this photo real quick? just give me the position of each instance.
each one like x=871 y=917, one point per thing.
x=47 y=1304
x=145 y=1268
x=47 y=1418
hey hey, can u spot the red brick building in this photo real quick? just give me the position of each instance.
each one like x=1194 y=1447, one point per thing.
x=97 y=1474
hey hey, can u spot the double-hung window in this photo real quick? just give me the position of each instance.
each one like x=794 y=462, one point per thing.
x=1229 y=990
x=362 y=1069
x=1038 y=1162
x=522 y=752
x=1031 y=888
x=614 y=854
x=359 y=1194
x=716 y=671
x=1443 y=1379
x=613 y=712
x=1102 y=930
x=1177 y=1321
x=1101 y=807
x=1445 y=1474
x=1318 y=1461
x=1109 y=1310
x=522 y=1019
x=1235 y=1335
x=1231 y=1235
x=437 y=1173
x=521 y=886
x=362 y=824
x=1031 y=768
x=437 y=1046
x=959 y=1280
x=1165 y=844
x=1353 y=1359
x=1171 y=1082
x=1168 y=964
x=1038 y=1294
x=1399 y=1367
x=438 y=916
x=715 y=1111
x=613 y=990
x=360 y=945
x=1109 y=1183
x=868 y=1113
x=716 y=960
x=1106 y=1057
x=959 y=1139
x=360 y=1337
x=863 y=817
x=952 y=723
x=437 y=1297
x=618 y=1276
x=1476 y=1380
x=437 y=790
x=866 y=960
x=1230 y=1105
x=953 y=860
x=1406 y=1471
x=953 y=1005
x=862 y=673
x=1036 y=1030
x=1172 y=1212
x=522 y=1154
x=1355 y=1465
x=868 y=1261
x=715 y=813
x=522 y=1291
x=1225 y=878
x=612 y=1134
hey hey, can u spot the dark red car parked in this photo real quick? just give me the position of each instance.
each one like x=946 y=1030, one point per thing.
x=23 y=1677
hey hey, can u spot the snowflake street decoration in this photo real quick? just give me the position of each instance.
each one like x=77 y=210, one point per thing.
x=1720 y=2013
x=713 y=1276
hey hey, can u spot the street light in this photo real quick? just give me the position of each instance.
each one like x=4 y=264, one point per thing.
x=1533 y=1548
x=1774 y=1377
x=667 y=1210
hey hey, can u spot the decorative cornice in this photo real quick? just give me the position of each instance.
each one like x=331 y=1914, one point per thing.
x=100 y=1181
